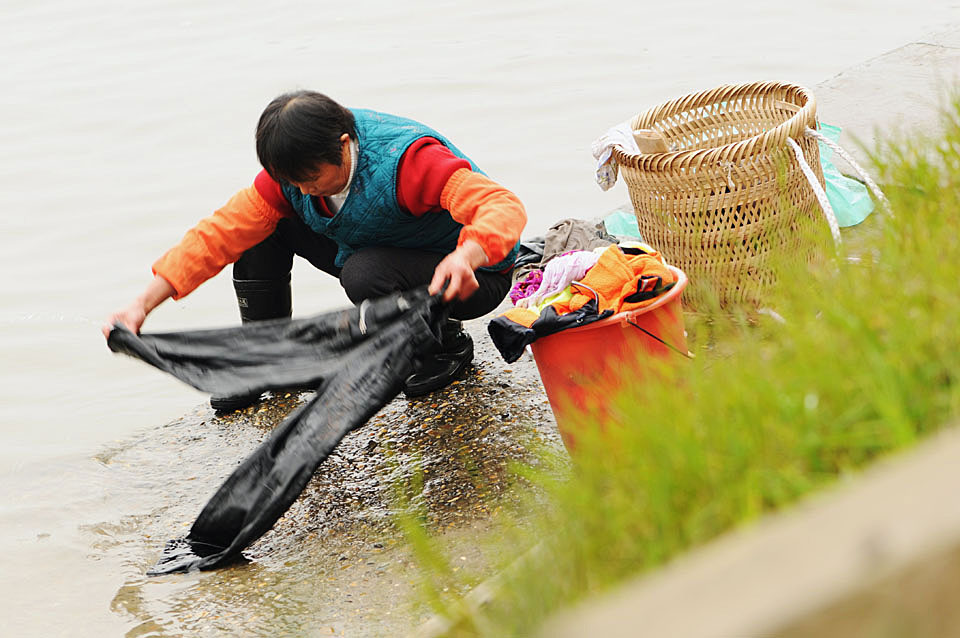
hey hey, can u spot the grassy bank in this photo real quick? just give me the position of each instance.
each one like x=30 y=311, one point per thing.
x=865 y=363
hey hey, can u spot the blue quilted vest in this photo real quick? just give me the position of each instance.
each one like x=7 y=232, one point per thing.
x=371 y=215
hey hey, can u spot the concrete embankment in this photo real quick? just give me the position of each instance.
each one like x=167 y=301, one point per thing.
x=900 y=91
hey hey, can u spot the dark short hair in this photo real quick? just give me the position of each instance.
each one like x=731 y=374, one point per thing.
x=300 y=130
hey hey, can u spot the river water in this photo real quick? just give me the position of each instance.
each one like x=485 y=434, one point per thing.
x=123 y=123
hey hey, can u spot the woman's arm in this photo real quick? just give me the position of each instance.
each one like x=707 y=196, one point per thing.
x=133 y=316
x=432 y=179
x=220 y=239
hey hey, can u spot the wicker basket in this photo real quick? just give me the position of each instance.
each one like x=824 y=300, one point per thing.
x=730 y=195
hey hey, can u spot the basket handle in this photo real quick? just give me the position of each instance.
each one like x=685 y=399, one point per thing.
x=818 y=189
x=859 y=169
x=819 y=192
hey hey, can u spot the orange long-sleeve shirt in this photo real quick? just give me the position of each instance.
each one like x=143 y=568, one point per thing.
x=430 y=179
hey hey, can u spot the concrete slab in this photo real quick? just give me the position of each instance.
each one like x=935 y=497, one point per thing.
x=949 y=37
x=902 y=90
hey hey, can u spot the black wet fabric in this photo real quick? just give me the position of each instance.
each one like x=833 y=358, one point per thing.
x=511 y=338
x=357 y=360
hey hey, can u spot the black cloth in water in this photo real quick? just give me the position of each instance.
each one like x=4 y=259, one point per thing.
x=357 y=359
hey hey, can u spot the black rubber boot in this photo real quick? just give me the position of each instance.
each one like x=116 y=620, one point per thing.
x=258 y=299
x=440 y=368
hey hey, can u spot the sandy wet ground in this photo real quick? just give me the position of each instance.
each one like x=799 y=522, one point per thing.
x=336 y=563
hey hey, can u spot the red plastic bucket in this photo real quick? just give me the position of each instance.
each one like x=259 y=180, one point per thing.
x=582 y=365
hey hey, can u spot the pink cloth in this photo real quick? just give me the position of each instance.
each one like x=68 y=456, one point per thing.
x=558 y=274
x=527 y=286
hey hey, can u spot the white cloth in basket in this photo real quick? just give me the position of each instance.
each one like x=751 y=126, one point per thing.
x=620 y=135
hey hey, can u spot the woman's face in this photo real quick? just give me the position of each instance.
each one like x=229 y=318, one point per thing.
x=329 y=179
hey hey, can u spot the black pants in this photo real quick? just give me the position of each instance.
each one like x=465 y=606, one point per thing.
x=368 y=273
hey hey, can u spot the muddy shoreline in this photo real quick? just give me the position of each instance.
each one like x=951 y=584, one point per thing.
x=335 y=563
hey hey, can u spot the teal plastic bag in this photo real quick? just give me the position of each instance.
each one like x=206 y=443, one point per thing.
x=623 y=223
x=850 y=199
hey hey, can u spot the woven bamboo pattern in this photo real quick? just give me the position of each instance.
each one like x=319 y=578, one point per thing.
x=730 y=197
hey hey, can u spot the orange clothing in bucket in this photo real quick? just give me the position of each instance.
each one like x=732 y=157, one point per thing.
x=621 y=282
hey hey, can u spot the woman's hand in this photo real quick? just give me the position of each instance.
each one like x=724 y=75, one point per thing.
x=456 y=270
x=133 y=316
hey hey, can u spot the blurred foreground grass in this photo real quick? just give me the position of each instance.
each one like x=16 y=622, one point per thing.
x=865 y=363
